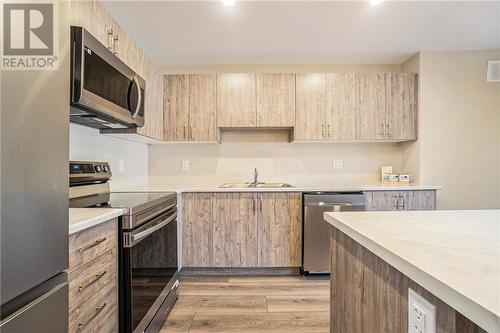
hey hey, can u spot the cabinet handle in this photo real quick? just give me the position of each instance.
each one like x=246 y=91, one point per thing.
x=403 y=202
x=396 y=205
x=190 y=132
x=323 y=130
x=97 y=277
x=388 y=131
x=88 y=247
x=261 y=202
x=98 y=310
x=383 y=130
x=110 y=39
x=184 y=133
x=329 y=132
x=253 y=203
x=116 y=44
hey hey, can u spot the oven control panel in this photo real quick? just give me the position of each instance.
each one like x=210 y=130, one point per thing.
x=87 y=171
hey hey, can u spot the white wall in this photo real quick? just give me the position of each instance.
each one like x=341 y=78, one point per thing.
x=87 y=144
x=277 y=160
x=459 y=129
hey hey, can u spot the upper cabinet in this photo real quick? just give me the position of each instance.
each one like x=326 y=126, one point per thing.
x=310 y=106
x=340 y=106
x=189 y=107
x=202 y=107
x=236 y=100
x=276 y=100
x=255 y=100
x=326 y=106
x=370 y=106
x=386 y=106
x=176 y=107
x=401 y=91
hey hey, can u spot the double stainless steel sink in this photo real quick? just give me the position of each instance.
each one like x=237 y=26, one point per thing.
x=255 y=185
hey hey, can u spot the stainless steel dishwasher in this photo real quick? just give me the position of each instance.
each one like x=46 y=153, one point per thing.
x=316 y=249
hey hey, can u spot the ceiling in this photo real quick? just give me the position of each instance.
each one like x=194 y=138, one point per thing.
x=304 y=32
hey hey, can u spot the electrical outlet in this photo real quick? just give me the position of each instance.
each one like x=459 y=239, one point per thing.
x=338 y=164
x=417 y=319
x=121 y=165
x=421 y=314
x=185 y=165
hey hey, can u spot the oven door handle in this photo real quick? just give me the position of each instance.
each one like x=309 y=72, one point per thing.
x=158 y=213
x=137 y=237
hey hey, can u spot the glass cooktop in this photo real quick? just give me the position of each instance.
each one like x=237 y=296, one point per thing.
x=130 y=200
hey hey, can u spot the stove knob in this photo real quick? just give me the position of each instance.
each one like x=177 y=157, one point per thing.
x=106 y=169
x=97 y=168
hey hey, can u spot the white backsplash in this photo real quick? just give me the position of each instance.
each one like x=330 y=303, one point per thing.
x=87 y=144
x=276 y=159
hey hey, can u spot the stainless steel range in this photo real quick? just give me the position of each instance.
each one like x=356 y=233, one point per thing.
x=148 y=268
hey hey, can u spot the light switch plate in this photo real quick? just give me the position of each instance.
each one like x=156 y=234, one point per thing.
x=338 y=164
x=421 y=314
x=121 y=165
x=185 y=165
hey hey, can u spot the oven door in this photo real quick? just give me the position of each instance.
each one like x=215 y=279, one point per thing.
x=104 y=89
x=148 y=271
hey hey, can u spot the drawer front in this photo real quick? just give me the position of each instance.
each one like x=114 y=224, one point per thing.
x=98 y=314
x=88 y=279
x=86 y=245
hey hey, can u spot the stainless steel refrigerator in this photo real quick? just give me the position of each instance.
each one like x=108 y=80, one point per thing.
x=34 y=195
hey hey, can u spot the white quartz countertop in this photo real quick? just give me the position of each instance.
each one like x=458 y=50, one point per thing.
x=84 y=218
x=453 y=254
x=300 y=188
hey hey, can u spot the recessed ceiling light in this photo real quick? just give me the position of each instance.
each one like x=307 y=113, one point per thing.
x=228 y=2
x=375 y=2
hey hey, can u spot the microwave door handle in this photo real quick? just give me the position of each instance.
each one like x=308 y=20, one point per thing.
x=139 y=97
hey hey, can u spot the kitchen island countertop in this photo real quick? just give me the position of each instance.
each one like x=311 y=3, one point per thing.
x=453 y=254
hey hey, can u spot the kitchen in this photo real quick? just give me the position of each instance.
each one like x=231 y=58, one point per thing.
x=267 y=183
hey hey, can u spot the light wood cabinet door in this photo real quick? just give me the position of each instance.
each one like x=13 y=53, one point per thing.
x=202 y=107
x=420 y=200
x=236 y=100
x=276 y=100
x=341 y=106
x=401 y=200
x=401 y=106
x=176 y=107
x=280 y=229
x=310 y=106
x=235 y=230
x=197 y=224
x=370 y=106
x=382 y=200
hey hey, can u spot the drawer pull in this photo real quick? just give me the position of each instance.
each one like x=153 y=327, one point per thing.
x=98 y=310
x=88 y=247
x=97 y=277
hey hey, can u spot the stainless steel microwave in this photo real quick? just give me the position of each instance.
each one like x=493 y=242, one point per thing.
x=105 y=92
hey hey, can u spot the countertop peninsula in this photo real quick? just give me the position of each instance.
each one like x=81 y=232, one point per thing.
x=455 y=255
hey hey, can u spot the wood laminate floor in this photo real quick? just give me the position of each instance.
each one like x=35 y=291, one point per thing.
x=251 y=304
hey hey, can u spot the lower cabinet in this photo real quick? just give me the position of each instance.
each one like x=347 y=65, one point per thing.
x=280 y=230
x=400 y=200
x=92 y=278
x=234 y=230
x=241 y=229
